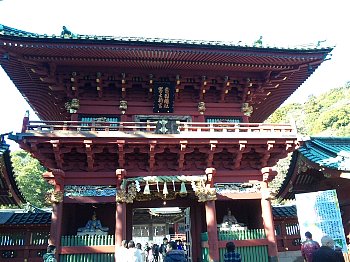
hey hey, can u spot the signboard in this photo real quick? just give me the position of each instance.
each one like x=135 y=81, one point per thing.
x=319 y=213
x=163 y=97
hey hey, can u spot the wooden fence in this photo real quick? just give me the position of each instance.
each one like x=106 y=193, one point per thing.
x=251 y=244
x=88 y=257
x=94 y=248
x=23 y=245
x=93 y=240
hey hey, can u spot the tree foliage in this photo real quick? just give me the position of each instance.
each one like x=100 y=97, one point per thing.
x=28 y=174
x=325 y=115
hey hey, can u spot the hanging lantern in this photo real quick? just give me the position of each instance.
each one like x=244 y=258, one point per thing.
x=146 y=191
x=173 y=185
x=165 y=189
x=183 y=190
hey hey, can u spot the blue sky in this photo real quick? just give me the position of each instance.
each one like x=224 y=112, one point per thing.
x=281 y=23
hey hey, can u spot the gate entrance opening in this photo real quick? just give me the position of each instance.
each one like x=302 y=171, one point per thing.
x=151 y=225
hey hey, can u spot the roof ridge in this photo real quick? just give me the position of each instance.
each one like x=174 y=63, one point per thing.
x=6 y=30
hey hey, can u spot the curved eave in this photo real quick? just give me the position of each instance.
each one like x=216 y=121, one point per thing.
x=328 y=152
x=313 y=162
x=284 y=190
x=10 y=194
x=22 y=54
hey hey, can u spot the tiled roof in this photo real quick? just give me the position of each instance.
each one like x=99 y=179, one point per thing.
x=9 y=31
x=311 y=160
x=29 y=219
x=4 y=216
x=330 y=152
x=284 y=211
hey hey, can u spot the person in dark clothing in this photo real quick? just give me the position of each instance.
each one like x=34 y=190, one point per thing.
x=155 y=252
x=162 y=248
x=309 y=247
x=231 y=255
x=173 y=254
x=326 y=252
x=50 y=254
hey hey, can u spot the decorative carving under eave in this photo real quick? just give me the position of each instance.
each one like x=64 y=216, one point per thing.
x=126 y=195
x=54 y=197
x=247 y=109
x=201 y=107
x=123 y=106
x=268 y=174
x=72 y=106
x=205 y=193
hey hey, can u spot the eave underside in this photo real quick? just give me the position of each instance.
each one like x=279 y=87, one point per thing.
x=275 y=75
x=9 y=192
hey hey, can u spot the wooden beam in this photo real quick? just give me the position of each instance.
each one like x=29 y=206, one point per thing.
x=239 y=155
x=121 y=153
x=57 y=153
x=89 y=155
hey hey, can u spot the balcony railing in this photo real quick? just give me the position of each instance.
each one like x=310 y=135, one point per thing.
x=161 y=127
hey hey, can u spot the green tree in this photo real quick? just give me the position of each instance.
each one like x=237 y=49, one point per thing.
x=325 y=115
x=28 y=174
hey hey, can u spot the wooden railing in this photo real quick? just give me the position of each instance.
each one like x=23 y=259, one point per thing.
x=251 y=244
x=91 y=257
x=36 y=238
x=151 y=127
x=23 y=245
x=93 y=240
x=87 y=248
x=12 y=239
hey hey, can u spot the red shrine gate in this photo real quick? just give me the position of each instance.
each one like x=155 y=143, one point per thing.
x=132 y=123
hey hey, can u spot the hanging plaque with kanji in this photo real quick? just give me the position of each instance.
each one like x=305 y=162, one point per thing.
x=163 y=97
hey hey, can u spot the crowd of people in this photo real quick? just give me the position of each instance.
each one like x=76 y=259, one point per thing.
x=166 y=252
x=327 y=252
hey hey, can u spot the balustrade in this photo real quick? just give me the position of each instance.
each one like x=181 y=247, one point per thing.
x=151 y=127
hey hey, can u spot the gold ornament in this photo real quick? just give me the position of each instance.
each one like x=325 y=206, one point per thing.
x=205 y=192
x=201 y=107
x=72 y=106
x=123 y=106
x=247 y=109
x=126 y=196
x=54 y=197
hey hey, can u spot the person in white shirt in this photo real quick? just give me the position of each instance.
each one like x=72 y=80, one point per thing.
x=133 y=254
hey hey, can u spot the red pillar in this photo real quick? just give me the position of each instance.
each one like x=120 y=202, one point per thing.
x=196 y=230
x=268 y=223
x=120 y=223
x=56 y=177
x=120 y=213
x=56 y=225
x=213 y=242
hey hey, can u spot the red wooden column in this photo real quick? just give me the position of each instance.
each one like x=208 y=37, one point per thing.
x=120 y=223
x=120 y=213
x=267 y=216
x=213 y=242
x=56 y=178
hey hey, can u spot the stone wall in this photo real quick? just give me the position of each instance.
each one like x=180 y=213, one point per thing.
x=290 y=256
